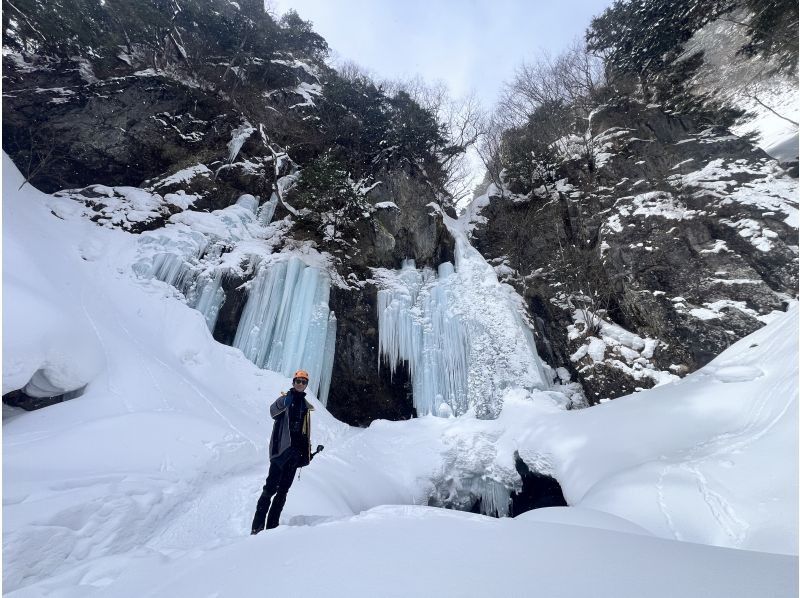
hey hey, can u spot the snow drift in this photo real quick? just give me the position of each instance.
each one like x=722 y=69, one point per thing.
x=145 y=484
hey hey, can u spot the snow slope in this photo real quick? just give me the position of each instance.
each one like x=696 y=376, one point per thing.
x=145 y=484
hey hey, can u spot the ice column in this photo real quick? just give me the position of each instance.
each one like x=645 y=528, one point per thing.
x=286 y=323
x=461 y=333
x=208 y=297
x=267 y=211
x=417 y=325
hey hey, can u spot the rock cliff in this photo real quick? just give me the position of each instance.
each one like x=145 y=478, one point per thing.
x=687 y=235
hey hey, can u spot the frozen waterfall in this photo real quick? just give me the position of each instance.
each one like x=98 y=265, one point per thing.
x=178 y=265
x=287 y=325
x=415 y=325
x=461 y=332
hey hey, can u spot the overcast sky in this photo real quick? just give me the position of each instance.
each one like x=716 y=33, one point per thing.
x=469 y=44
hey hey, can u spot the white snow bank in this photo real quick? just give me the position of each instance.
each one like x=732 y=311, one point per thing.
x=407 y=551
x=43 y=330
x=147 y=482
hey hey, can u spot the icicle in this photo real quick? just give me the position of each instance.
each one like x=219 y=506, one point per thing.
x=267 y=211
x=210 y=297
x=461 y=334
x=238 y=137
x=314 y=348
x=327 y=359
x=495 y=497
x=286 y=323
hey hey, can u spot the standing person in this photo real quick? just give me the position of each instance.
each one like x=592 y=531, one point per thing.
x=289 y=448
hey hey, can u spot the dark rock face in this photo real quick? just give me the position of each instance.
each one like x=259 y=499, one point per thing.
x=231 y=309
x=19 y=398
x=415 y=228
x=400 y=225
x=361 y=391
x=117 y=132
x=682 y=233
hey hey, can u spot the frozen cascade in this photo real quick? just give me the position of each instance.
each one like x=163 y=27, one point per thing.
x=238 y=137
x=286 y=323
x=267 y=211
x=188 y=259
x=416 y=325
x=248 y=202
x=462 y=333
x=208 y=297
x=173 y=264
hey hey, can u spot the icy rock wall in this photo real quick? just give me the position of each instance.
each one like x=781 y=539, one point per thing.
x=461 y=332
x=286 y=323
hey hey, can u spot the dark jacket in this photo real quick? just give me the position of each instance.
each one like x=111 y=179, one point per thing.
x=281 y=440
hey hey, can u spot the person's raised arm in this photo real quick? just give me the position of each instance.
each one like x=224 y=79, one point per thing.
x=280 y=405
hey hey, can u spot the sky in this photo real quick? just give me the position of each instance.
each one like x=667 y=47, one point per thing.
x=468 y=44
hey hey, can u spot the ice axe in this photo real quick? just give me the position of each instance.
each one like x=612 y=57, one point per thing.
x=319 y=450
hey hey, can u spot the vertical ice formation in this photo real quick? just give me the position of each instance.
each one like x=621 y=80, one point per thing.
x=461 y=332
x=495 y=497
x=286 y=323
x=416 y=325
x=238 y=137
x=267 y=211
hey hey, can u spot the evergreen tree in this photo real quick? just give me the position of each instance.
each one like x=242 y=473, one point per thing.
x=773 y=31
x=642 y=37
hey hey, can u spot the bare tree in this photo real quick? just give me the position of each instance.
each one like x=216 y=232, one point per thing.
x=544 y=113
x=461 y=120
x=571 y=78
x=489 y=147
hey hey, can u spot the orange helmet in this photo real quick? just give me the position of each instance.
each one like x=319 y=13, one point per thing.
x=300 y=374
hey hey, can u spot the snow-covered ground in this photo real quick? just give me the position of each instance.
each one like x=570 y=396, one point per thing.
x=145 y=484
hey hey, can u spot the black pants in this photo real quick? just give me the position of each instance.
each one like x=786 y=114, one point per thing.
x=279 y=480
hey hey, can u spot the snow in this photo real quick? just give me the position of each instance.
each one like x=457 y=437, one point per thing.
x=146 y=483
x=754 y=85
x=655 y=203
x=185 y=175
x=296 y=63
x=770 y=192
x=123 y=207
x=308 y=91
x=759 y=236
